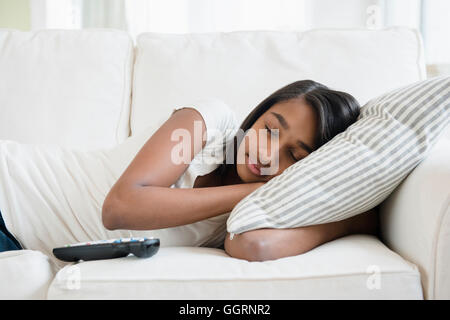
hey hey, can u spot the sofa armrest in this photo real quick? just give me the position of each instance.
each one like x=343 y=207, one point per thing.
x=25 y=275
x=415 y=219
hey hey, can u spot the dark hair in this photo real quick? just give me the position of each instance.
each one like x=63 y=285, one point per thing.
x=336 y=110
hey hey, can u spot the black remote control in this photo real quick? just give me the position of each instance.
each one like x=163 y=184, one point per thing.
x=108 y=249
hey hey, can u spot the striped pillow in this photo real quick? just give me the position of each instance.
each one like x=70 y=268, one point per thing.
x=358 y=168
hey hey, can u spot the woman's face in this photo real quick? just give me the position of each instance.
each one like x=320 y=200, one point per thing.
x=296 y=122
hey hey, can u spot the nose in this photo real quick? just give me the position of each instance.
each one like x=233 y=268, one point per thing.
x=264 y=159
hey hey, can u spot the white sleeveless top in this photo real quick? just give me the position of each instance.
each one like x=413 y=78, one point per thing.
x=51 y=196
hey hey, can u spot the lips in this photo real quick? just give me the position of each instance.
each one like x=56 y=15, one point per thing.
x=254 y=168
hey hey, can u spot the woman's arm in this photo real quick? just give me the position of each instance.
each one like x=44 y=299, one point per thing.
x=153 y=207
x=272 y=244
x=141 y=199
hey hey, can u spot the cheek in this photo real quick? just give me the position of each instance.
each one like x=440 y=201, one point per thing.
x=240 y=154
x=241 y=167
x=279 y=161
x=242 y=147
x=245 y=145
x=240 y=161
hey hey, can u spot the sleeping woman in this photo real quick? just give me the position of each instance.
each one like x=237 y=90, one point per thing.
x=137 y=189
x=305 y=115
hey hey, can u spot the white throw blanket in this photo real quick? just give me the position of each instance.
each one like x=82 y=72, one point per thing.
x=51 y=196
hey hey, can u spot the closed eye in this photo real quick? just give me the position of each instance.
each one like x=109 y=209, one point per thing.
x=293 y=157
x=291 y=154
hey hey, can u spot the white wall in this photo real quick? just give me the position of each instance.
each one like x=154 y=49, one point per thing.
x=187 y=16
x=340 y=14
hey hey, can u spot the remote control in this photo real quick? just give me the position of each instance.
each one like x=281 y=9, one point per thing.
x=107 y=249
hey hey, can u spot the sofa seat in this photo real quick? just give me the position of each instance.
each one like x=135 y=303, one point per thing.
x=353 y=267
x=26 y=273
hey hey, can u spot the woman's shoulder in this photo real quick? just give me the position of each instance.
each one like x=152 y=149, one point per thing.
x=216 y=113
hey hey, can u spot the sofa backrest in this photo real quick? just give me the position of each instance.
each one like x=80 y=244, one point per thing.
x=73 y=87
x=69 y=87
x=244 y=67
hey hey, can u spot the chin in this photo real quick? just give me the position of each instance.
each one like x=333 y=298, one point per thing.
x=247 y=176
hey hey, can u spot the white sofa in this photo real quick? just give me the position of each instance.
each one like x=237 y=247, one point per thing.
x=91 y=89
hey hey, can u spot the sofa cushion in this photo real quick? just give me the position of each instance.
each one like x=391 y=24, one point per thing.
x=353 y=267
x=69 y=87
x=244 y=67
x=25 y=274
